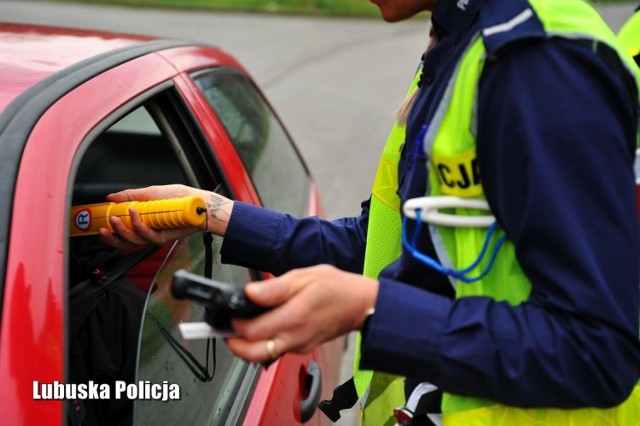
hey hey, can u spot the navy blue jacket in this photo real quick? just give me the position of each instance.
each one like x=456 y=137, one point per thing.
x=556 y=138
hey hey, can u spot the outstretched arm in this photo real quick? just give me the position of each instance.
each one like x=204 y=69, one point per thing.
x=219 y=210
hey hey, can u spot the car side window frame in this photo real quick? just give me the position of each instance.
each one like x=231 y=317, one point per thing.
x=274 y=142
x=170 y=114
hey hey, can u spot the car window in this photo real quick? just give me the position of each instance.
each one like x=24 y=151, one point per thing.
x=208 y=375
x=131 y=153
x=121 y=318
x=267 y=152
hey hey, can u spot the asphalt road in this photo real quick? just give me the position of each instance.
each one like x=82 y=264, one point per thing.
x=335 y=82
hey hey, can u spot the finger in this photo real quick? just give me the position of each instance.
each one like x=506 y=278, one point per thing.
x=289 y=317
x=125 y=233
x=148 y=234
x=109 y=238
x=270 y=349
x=141 y=194
x=274 y=291
x=157 y=237
x=252 y=351
x=278 y=292
x=140 y=227
x=155 y=192
x=265 y=351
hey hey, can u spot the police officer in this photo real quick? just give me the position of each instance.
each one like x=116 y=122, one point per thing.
x=522 y=134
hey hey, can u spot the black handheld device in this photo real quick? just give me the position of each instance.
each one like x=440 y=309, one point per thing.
x=222 y=301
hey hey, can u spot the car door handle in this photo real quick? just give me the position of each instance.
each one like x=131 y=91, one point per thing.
x=313 y=382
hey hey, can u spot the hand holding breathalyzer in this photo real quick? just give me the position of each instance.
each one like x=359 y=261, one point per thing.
x=307 y=307
x=157 y=214
x=120 y=234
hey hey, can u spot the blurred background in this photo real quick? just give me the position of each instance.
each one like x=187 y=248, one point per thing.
x=336 y=8
x=333 y=70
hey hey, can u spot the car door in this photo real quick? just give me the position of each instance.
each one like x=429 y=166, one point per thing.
x=283 y=183
x=221 y=98
x=43 y=134
x=149 y=141
x=111 y=124
x=159 y=138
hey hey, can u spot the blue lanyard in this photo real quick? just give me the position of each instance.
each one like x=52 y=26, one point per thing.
x=458 y=274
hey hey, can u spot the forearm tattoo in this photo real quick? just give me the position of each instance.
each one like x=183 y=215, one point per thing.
x=216 y=208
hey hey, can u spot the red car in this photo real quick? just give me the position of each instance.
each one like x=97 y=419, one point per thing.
x=85 y=337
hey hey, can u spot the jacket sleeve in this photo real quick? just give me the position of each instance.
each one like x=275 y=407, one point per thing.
x=556 y=132
x=276 y=242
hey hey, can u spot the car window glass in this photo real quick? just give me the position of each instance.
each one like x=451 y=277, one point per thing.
x=266 y=150
x=206 y=372
x=105 y=305
x=132 y=153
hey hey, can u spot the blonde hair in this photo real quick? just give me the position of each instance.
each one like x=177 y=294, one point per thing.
x=402 y=113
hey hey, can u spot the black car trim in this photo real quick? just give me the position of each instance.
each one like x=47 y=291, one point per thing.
x=202 y=152
x=240 y=405
x=18 y=119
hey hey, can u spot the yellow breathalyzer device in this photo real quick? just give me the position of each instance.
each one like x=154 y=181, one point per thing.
x=157 y=214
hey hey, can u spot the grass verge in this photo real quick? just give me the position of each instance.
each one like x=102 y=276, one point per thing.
x=336 y=8
x=345 y=8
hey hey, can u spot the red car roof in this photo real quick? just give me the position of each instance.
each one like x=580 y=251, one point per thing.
x=29 y=54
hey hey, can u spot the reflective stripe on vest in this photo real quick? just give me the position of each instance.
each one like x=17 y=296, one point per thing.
x=450 y=143
x=380 y=393
x=629 y=36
